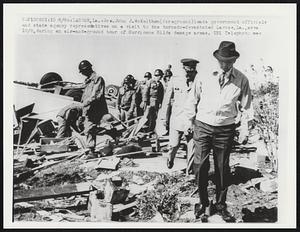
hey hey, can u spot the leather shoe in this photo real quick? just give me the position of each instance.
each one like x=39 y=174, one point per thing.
x=170 y=163
x=226 y=215
x=201 y=210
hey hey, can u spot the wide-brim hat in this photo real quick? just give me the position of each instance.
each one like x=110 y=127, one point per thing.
x=226 y=51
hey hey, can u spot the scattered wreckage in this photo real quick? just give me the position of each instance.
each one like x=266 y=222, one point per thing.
x=127 y=182
x=36 y=148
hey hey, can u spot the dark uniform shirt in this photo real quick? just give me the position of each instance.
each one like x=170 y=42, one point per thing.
x=67 y=118
x=71 y=112
x=93 y=97
x=155 y=92
x=142 y=91
x=126 y=100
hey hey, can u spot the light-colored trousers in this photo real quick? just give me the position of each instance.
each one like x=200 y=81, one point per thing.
x=174 y=143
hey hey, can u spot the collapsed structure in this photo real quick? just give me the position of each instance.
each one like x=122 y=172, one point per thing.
x=128 y=181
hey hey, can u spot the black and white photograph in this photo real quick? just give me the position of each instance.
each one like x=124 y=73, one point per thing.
x=149 y=115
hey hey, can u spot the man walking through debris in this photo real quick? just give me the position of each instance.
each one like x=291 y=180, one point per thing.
x=212 y=107
x=69 y=117
x=94 y=103
x=178 y=89
x=155 y=94
x=126 y=99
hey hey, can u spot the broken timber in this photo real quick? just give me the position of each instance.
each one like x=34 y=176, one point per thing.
x=110 y=164
x=130 y=153
x=51 y=192
x=22 y=176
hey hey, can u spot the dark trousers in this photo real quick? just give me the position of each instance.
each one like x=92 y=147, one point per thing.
x=139 y=111
x=124 y=116
x=92 y=119
x=64 y=129
x=219 y=139
x=152 y=116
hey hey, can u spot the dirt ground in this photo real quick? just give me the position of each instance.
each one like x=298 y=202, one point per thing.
x=172 y=195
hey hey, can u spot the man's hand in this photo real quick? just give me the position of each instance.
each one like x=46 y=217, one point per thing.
x=164 y=122
x=189 y=131
x=188 y=127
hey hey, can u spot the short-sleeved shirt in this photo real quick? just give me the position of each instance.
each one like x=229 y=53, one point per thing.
x=126 y=99
x=176 y=95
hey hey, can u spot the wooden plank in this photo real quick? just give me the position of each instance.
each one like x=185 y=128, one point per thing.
x=110 y=164
x=54 y=148
x=51 y=192
x=100 y=211
x=116 y=118
x=59 y=156
x=130 y=153
x=23 y=176
x=130 y=120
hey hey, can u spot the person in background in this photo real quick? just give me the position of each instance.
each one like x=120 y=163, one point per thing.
x=141 y=94
x=167 y=77
x=94 y=104
x=155 y=94
x=177 y=90
x=68 y=118
x=126 y=101
x=212 y=108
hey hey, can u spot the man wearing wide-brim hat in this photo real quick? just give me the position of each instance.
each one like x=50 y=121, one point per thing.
x=212 y=107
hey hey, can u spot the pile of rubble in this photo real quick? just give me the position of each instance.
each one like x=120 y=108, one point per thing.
x=49 y=169
x=129 y=181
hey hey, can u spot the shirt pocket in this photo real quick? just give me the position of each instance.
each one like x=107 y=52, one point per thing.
x=230 y=94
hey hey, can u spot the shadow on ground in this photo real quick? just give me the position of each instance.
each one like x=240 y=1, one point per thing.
x=260 y=214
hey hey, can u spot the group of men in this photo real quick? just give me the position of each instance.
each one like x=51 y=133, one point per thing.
x=137 y=98
x=203 y=108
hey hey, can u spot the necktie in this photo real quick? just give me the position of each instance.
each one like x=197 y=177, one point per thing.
x=222 y=79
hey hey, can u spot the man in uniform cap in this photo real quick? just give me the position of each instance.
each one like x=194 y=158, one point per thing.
x=69 y=117
x=178 y=89
x=94 y=103
x=212 y=108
